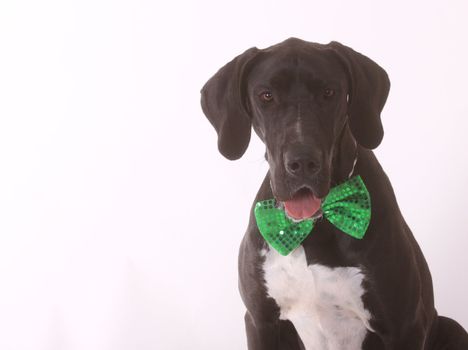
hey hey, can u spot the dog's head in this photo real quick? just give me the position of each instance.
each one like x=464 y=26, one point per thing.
x=298 y=96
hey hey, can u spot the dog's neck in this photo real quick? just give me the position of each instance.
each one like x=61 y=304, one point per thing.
x=344 y=157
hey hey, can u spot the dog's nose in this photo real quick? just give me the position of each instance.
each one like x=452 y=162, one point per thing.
x=300 y=164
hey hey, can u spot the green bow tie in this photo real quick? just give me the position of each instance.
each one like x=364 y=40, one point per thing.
x=347 y=206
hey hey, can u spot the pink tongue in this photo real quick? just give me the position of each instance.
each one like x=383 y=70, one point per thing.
x=302 y=206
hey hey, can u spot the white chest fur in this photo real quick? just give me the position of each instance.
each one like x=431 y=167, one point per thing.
x=323 y=303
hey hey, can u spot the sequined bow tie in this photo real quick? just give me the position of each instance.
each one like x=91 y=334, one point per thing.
x=347 y=206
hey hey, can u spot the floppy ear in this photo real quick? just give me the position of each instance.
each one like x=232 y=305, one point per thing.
x=369 y=86
x=222 y=102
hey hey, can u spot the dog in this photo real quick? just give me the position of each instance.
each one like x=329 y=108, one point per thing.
x=316 y=107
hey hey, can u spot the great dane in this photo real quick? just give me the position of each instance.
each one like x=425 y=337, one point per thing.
x=317 y=109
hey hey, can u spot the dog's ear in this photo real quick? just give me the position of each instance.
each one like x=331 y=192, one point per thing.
x=369 y=86
x=222 y=100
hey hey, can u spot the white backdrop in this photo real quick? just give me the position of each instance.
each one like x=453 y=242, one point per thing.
x=119 y=221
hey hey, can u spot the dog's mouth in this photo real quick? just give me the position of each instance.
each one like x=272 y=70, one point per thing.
x=303 y=205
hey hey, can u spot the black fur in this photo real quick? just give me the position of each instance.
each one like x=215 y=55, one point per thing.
x=303 y=120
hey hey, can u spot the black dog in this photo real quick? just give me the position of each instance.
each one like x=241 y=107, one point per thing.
x=317 y=109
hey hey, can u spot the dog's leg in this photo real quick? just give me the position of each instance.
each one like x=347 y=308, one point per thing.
x=260 y=335
x=288 y=337
x=445 y=334
x=412 y=338
x=280 y=335
x=448 y=335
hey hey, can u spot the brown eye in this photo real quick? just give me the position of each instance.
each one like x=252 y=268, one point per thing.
x=328 y=92
x=266 y=96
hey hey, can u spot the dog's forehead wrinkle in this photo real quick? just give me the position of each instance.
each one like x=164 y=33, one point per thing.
x=298 y=125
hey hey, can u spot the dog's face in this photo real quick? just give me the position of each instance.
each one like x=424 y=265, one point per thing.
x=298 y=102
x=299 y=97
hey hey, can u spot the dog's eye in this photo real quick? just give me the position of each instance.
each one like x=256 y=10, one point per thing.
x=266 y=96
x=328 y=92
